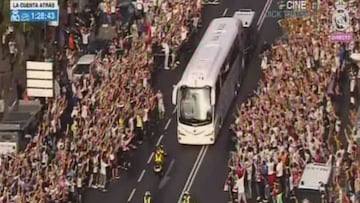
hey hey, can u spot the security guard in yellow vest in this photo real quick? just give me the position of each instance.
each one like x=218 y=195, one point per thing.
x=186 y=198
x=139 y=128
x=121 y=123
x=159 y=157
x=139 y=122
x=147 y=197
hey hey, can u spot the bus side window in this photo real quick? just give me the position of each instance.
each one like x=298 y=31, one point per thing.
x=234 y=52
x=224 y=72
x=217 y=91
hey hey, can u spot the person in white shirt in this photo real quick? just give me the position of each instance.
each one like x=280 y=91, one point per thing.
x=103 y=166
x=85 y=34
x=241 y=188
x=3 y=43
x=195 y=22
x=131 y=124
x=145 y=119
x=84 y=111
x=102 y=6
x=271 y=170
x=79 y=187
x=75 y=112
x=249 y=172
x=184 y=33
x=13 y=53
x=45 y=158
x=93 y=182
x=161 y=106
x=166 y=49
x=280 y=172
x=316 y=56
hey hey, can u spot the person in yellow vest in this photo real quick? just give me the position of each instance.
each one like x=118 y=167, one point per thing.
x=147 y=197
x=74 y=128
x=159 y=158
x=159 y=155
x=121 y=124
x=139 y=128
x=186 y=198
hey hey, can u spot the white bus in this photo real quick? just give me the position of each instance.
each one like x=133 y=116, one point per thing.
x=210 y=82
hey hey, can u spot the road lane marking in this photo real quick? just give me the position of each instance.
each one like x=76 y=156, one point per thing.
x=262 y=12
x=174 y=110
x=264 y=15
x=150 y=158
x=197 y=169
x=166 y=176
x=131 y=194
x=225 y=11
x=159 y=140
x=170 y=167
x=13 y=104
x=266 y=8
x=167 y=124
x=193 y=168
x=141 y=176
x=191 y=173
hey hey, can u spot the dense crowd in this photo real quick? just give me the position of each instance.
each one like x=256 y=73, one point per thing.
x=293 y=119
x=110 y=108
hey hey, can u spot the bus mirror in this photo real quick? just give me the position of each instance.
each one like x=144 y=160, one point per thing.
x=212 y=97
x=174 y=94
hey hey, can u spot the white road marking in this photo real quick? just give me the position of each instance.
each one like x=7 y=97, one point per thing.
x=170 y=167
x=150 y=158
x=13 y=104
x=166 y=176
x=141 y=176
x=225 y=11
x=131 y=194
x=160 y=138
x=262 y=12
x=195 y=167
x=262 y=17
x=167 y=124
x=174 y=110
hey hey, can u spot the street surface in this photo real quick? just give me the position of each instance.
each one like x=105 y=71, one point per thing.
x=200 y=170
x=7 y=79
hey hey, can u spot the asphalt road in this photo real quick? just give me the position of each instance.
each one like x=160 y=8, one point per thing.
x=7 y=79
x=207 y=184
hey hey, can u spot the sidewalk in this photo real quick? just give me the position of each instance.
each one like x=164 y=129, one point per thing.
x=7 y=80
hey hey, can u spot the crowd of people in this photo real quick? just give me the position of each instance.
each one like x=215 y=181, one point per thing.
x=92 y=123
x=293 y=119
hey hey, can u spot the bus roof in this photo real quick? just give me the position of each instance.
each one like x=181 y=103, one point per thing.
x=207 y=60
x=246 y=16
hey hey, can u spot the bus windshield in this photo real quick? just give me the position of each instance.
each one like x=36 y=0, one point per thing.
x=195 y=106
